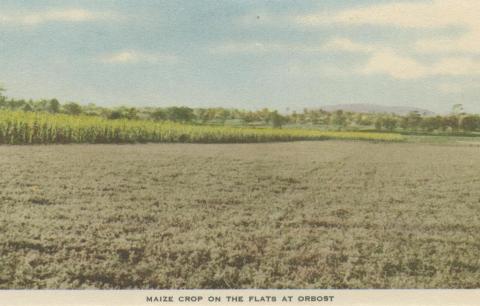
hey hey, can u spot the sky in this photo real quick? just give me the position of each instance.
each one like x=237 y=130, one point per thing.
x=247 y=54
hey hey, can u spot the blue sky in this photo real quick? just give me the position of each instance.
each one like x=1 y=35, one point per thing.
x=244 y=54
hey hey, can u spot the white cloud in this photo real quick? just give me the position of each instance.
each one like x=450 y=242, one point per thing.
x=433 y=14
x=454 y=55
x=315 y=69
x=59 y=15
x=335 y=44
x=427 y=14
x=424 y=14
x=263 y=47
x=382 y=59
x=134 y=56
x=345 y=44
x=468 y=43
x=390 y=63
x=245 y=47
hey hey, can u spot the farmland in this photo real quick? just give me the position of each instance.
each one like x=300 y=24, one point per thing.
x=43 y=128
x=329 y=214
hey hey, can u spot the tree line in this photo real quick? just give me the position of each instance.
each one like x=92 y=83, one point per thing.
x=455 y=122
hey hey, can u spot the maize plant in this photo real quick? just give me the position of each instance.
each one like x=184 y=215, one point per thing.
x=17 y=127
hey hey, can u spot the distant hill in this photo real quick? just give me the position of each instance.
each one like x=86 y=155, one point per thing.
x=373 y=108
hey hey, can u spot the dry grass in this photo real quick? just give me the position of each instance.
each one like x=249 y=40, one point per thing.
x=298 y=215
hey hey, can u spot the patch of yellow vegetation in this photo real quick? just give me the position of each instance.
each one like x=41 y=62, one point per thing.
x=41 y=128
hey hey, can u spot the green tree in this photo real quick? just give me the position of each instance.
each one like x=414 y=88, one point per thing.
x=431 y=124
x=338 y=118
x=450 y=122
x=222 y=114
x=470 y=123
x=158 y=114
x=314 y=116
x=264 y=115
x=378 y=123
x=3 y=99
x=201 y=114
x=389 y=123
x=413 y=121
x=52 y=106
x=27 y=108
x=72 y=109
x=276 y=119
x=115 y=114
x=182 y=114
x=131 y=113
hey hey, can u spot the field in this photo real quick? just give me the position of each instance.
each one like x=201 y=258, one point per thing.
x=44 y=128
x=329 y=214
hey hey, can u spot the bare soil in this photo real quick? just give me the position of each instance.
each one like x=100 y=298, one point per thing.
x=326 y=214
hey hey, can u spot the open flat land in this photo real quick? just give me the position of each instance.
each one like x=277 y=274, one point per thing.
x=328 y=214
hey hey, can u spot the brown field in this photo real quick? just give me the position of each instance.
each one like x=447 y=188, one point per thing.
x=326 y=214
